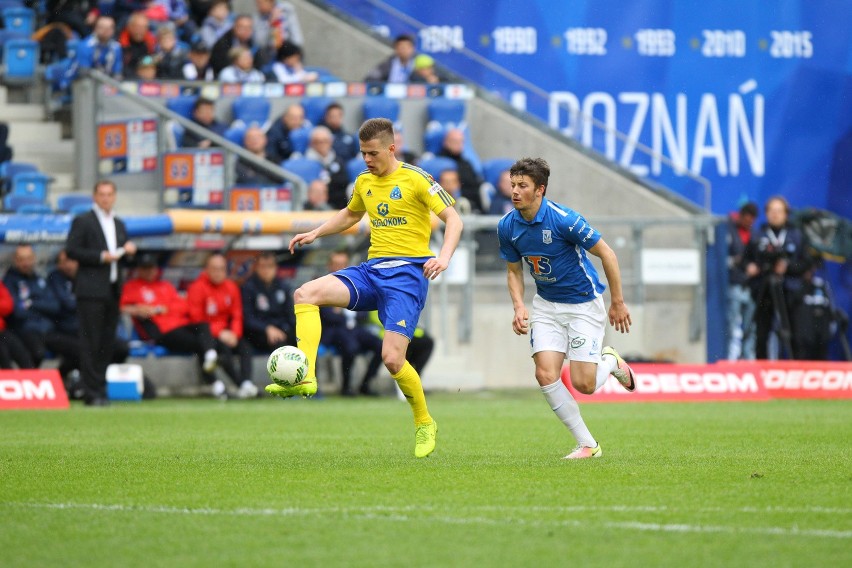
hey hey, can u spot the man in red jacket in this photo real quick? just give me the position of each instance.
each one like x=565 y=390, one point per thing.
x=162 y=316
x=11 y=348
x=214 y=299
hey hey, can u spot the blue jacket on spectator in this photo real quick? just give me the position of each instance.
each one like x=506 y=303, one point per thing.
x=93 y=55
x=36 y=306
x=63 y=289
x=268 y=305
x=278 y=144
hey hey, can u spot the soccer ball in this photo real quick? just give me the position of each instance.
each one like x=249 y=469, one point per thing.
x=287 y=366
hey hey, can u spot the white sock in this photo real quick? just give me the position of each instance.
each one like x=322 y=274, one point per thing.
x=210 y=355
x=218 y=388
x=607 y=365
x=568 y=411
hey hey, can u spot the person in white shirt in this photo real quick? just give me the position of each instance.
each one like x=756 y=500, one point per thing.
x=241 y=69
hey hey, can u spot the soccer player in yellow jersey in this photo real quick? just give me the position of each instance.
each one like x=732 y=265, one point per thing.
x=398 y=199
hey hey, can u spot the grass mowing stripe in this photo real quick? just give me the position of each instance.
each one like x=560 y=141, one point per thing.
x=398 y=514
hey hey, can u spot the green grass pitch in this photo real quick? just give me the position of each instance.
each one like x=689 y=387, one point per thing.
x=334 y=482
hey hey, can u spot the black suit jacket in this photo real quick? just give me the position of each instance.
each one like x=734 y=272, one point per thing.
x=86 y=242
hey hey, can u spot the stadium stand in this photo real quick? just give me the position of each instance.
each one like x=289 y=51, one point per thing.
x=307 y=169
x=20 y=62
x=251 y=111
x=380 y=107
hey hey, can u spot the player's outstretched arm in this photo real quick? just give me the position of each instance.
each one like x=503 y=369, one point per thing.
x=453 y=226
x=515 y=279
x=344 y=219
x=619 y=315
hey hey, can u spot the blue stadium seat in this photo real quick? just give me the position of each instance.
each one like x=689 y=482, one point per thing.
x=68 y=201
x=20 y=60
x=355 y=166
x=11 y=4
x=324 y=75
x=446 y=111
x=34 y=209
x=32 y=184
x=15 y=202
x=19 y=19
x=433 y=139
x=236 y=134
x=9 y=169
x=305 y=168
x=182 y=105
x=435 y=166
x=380 y=107
x=251 y=111
x=491 y=169
x=300 y=138
x=315 y=108
x=79 y=208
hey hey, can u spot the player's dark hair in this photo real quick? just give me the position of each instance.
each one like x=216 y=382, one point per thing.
x=380 y=128
x=534 y=168
x=404 y=37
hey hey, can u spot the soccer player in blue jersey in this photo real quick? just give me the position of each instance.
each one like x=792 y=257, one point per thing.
x=399 y=199
x=569 y=316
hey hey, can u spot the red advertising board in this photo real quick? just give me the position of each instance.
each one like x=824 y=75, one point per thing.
x=32 y=388
x=752 y=380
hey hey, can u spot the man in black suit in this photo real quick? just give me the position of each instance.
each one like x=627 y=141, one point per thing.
x=98 y=240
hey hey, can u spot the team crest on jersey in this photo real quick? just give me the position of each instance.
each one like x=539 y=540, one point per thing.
x=383 y=209
x=546 y=236
x=396 y=193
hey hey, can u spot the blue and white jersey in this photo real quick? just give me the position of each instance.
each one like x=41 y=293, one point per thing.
x=554 y=246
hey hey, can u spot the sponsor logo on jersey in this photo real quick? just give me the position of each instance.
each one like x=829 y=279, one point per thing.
x=546 y=236
x=540 y=268
x=383 y=209
x=369 y=193
x=396 y=193
x=388 y=222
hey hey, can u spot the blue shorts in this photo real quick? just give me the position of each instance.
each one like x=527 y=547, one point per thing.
x=395 y=287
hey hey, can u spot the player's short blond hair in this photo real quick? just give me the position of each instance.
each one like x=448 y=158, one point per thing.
x=380 y=128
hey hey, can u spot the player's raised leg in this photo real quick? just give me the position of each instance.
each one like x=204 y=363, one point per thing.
x=548 y=371
x=325 y=291
x=393 y=355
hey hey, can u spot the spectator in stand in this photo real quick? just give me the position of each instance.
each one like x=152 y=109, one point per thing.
x=123 y=10
x=288 y=67
x=100 y=50
x=501 y=203
x=36 y=306
x=741 y=332
x=172 y=13
x=12 y=350
x=402 y=153
x=240 y=35
x=171 y=57
x=241 y=69
x=215 y=299
x=320 y=149
x=345 y=145
x=79 y=15
x=217 y=23
x=146 y=69
x=425 y=72
x=270 y=321
x=398 y=67
x=203 y=114
x=161 y=315
x=279 y=147
x=136 y=40
x=342 y=330
x=64 y=340
x=274 y=23
x=774 y=263
x=199 y=9
x=453 y=148
x=449 y=180
x=317 y=196
x=198 y=67
x=813 y=315
x=247 y=174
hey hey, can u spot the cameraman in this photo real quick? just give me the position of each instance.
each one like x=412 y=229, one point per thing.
x=775 y=262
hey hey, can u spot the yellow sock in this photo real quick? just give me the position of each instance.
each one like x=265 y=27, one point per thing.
x=308 y=332
x=410 y=385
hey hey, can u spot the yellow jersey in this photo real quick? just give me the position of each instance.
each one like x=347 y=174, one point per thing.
x=399 y=206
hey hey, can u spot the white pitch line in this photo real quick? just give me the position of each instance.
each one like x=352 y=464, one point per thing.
x=397 y=514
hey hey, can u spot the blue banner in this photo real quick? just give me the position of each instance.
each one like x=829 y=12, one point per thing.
x=754 y=95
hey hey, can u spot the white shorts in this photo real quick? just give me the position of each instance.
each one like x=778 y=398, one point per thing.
x=574 y=329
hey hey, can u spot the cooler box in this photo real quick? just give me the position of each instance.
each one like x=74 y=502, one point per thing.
x=124 y=382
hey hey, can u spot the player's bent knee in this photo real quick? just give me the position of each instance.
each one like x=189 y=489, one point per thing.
x=545 y=377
